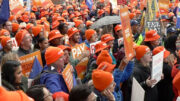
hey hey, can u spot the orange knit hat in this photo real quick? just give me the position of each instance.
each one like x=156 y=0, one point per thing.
x=104 y=56
x=12 y=17
x=72 y=31
x=105 y=66
x=63 y=47
x=141 y=50
x=100 y=12
x=34 y=8
x=25 y=18
x=89 y=33
x=151 y=36
x=64 y=95
x=36 y=30
x=5 y=40
x=117 y=28
x=131 y=15
x=53 y=54
x=160 y=49
x=89 y=23
x=78 y=22
x=100 y=46
x=54 y=34
x=29 y=25
x=55 y=24
x=13 y=95
x=4 y=32
x=106 y=38
x=101 y=79
x=15 y=27
x=20 y=35
x=32 y=15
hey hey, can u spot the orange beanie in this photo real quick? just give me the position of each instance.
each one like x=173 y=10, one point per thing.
x=29 y=25
x=72 y=31
x=13 y=95
x=78 y=22
x=89 y=33
x=104 y=57
x=101 y=79
x=160 y=49
x=141 y=50
x=4 y=41
x=89 y=23
x=105 y=66
x=117 y=28
x=54 y=34
x=151 y=36
x=53 y=54
x=64 y=95
x=36 y=30
x=100 y=46
x=20 y=35
x=4 y=32
x=106 y=38
x=15 y=27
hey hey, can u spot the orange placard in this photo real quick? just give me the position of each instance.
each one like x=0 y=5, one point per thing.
x=81 y=68
x=27 y=62
x=127 y=33
x=68 y=76
x=16 y=7
x=164 y=6
x=78 y=50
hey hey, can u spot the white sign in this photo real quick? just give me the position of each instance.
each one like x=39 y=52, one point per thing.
x=120 y=41
x=157 y=65
x=92 y=47
x=137 y=91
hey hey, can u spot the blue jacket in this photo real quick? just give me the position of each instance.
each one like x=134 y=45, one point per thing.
x=121 y=76
x=54 y=81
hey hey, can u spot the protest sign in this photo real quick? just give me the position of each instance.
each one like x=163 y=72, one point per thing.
x=157 y=66
x=27 y=62
x=78 y=50
x=137 y=91
x=68 y=76
x=81 y=67
x=120 y=41
x=16 y=7
x=154 y=25
x=14 y=44
x=164 y=7
x=92 y=47
x=127 y=33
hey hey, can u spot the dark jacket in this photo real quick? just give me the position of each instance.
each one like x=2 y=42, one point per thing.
x=23 y=86
x=22 y=52
x=165 y=89
x=140 y=73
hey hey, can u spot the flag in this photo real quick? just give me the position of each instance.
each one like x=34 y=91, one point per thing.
x=4 y=11
x=178 y=19
x=36 y=69
x=89 y=3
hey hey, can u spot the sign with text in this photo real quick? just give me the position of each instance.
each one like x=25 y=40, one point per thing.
x=68 y=76
x=137 y=91
x=16 y=7
x=127 y=33
x=28 y=60
x=164 y=6
x=92 y=47
x=154 y=25
x=78 y=50
x=81 y=67
x=157 y=66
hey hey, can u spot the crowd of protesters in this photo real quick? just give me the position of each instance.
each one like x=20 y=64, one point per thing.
x=109 y=73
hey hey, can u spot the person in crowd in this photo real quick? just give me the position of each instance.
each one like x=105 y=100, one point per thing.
x=165 y=94
x=74 y=36
x=91 y=36
x=24 y=41
x=82 y=93
x=9 y=56
x=8 y=26
x=152 y=39
x=12 y=78
x=4 y=32
x=39 y=93
x=55 y=38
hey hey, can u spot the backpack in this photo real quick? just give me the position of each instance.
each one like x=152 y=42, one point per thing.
x=36 y=80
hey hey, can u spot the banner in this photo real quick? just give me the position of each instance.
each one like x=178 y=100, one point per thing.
x=81 y=68
x=78 y=50
x=16 y=7
x=15 y=47
x=154 y=25
x=92 y=47
x=164 y=7
x=151 y=10
x=68 y=76
x=27 y=62
x=121 y=2
x=137 y=91
x=114 y=3
x=178 y=19
x=157 y=66
x=127 y=33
